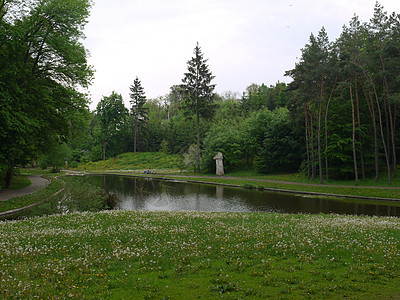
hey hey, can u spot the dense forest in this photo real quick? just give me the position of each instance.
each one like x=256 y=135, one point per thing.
x=335 y=119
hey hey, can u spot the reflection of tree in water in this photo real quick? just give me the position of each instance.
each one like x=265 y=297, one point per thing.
x=145 y=185
x=148 y=193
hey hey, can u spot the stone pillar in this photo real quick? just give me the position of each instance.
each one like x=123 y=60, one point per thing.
x=219 y=164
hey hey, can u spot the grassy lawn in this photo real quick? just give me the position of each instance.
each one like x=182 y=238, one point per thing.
x=183 y=255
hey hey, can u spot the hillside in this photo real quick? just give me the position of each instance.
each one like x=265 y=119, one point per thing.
x=139 y=162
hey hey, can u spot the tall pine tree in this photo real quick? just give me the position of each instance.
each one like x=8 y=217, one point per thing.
x=198 y=92
x=138 y=109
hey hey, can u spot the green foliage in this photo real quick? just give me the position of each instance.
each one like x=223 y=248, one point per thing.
x=155 y=130
x=164 y=148
x=190 y=158
x=81 y=195
x=138 y=109
x=269 y=138
x=181 y=132
x=111 y=114
x=56 y=157
x=224 y=137
x=197 y=89
x=197 y=92
x=258 y=97
x=42 y=65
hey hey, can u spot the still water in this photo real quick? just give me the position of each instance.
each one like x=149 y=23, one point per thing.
x=151 y=194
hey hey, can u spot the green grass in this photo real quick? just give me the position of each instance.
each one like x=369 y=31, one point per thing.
x=185 y=255
x=345 y=190
x=155 y=161
x=302 y=178
x=37 y=197
x=19 y=181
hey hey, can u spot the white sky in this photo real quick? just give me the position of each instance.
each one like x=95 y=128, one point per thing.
x=245 y=41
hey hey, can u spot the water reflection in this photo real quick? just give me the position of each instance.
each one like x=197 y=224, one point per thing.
x=150 y=194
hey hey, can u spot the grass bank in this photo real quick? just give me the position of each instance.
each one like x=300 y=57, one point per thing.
x=183 y=255
x=365 y=192
x=37 y=197
x=19 y=181
x=155 y=161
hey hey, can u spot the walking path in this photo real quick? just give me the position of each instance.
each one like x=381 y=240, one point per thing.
x=37 y=183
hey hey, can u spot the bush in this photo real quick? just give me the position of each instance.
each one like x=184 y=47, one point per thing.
x=225 y=138
x=43 y=164
x=164 y=147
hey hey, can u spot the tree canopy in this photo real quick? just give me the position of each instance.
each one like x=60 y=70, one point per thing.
x=42 y=65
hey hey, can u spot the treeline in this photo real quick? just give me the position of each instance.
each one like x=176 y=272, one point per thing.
x=255 y=130
x=348 y=91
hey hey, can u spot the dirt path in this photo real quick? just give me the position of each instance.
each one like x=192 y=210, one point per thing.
x=37 y=183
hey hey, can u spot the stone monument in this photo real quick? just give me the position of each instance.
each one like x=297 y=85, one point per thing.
x=219 y=164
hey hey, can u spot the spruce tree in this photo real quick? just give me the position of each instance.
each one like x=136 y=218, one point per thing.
x=198 y=92
x=138 y=109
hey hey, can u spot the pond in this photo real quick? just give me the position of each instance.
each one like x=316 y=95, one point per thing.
x=152 y=194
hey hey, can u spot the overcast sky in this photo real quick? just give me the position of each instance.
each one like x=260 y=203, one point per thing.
x=245 y=41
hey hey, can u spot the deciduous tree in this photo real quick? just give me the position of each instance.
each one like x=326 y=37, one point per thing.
x=42 y=64
x=111 y=113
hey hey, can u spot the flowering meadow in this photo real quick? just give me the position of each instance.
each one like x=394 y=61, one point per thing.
x=186 y=255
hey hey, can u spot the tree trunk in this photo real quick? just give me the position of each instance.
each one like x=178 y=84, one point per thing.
x=9 y=174
x=359 y=127
x=387 y=127
x=394 y=130
x=319 y=142
x=312 y=147
x=354 y=134
x=394 y=162
x=307 y=141
x=326 y=129
x=319 y=128
x=134 y=138
x=371 y=109
x=198 y=142
x=381 y=128
x=104 y=146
